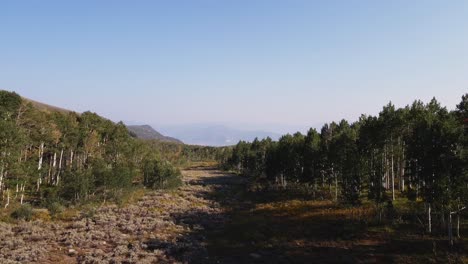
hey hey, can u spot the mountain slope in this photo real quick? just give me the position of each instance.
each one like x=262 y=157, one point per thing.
x=143 y=132
x=147 y=132
x=45 y=107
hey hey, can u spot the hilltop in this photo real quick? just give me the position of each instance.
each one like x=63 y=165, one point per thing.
x=149 y=133
x=45 y=107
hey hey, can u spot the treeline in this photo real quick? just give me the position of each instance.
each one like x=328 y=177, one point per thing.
x=64 y=157
x=419 y=152
x=185 y=155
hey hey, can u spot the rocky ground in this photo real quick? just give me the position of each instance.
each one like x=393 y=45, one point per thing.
x=220 y=218
x=162 y=227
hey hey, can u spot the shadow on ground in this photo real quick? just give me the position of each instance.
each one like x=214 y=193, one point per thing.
x=253 y=230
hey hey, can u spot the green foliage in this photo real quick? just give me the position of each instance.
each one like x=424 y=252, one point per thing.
x=55 y=208
x=52 y=157
x=185 y=155
x=160 y=175
x=24 y=212
x=10 y=103
x=419 y=151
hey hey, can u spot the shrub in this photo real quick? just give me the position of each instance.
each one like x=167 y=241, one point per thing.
x=25 y=212
x=41 y=214
x=161 y=175
x=55 y=208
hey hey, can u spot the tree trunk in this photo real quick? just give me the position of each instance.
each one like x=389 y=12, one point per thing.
x=38 y=184
x=429 y=219
x=417 y=188
x=22 y=192
x=39 y=166
x=71 y=158
x=41 y=154
x=336 y=186
x=49 y=175
x=393 y=178
x=458 y=224
x=55 y=160
x=59 y=168
x=402 y=170
x=8 y=198
x=323 y=178
x=450 y=234
x=442 y=220
x=26 y=154
x=1 y=177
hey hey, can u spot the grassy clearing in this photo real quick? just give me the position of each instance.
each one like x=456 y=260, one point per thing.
x=199 y=164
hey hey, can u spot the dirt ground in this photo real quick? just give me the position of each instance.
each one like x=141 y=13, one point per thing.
x=162 y=227
x=212 y=218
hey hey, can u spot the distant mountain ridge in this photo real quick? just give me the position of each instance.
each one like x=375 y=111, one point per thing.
x=214 y=135
x=149 y=133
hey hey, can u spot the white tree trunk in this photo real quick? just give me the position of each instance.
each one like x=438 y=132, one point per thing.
x=39 y=166
x=59 y=167
x=41 y=154
x=39 y=182
x=8 y=198
x=1 y=177
x=55 y=160
x=22 y=192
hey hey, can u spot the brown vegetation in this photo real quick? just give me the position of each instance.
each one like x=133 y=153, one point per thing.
x=216 y=218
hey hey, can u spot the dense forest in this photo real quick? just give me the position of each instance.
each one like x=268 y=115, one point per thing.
x=61 y=157
x=418 y=153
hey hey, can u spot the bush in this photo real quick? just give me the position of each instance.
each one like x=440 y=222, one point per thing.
x=55 y=208
x=88 y=211
x=161 y=175
x=25 y=212
x=41 y=214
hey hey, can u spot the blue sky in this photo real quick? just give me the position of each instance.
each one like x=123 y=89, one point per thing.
x=272 y=65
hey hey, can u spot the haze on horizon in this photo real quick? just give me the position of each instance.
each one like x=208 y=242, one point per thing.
x=269 y=65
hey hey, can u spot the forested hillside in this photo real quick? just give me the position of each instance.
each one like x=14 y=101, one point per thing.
x=61 y=157
x=417 y=153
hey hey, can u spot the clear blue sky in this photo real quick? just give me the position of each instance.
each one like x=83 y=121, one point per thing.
x=263 y=64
